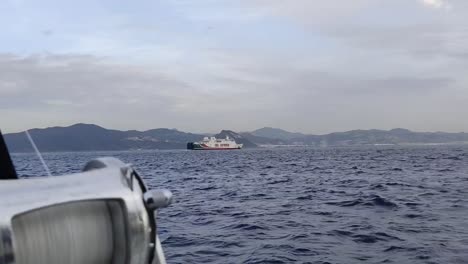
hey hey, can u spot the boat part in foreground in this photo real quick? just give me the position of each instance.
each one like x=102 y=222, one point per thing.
x=104 y=214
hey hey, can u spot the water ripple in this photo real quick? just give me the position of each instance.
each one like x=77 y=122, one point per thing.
x=302 y=205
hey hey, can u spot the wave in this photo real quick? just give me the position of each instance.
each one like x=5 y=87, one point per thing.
x=370 y=200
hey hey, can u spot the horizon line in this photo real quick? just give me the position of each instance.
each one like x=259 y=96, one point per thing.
x=236 y=131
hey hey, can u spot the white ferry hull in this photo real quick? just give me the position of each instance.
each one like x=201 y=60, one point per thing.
x=214 y=144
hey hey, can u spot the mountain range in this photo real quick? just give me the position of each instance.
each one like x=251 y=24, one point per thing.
x=89 y=137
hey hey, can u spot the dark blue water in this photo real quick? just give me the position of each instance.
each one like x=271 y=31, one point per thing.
x=359 y=205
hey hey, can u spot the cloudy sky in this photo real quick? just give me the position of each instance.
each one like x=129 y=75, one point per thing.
x=304 y=65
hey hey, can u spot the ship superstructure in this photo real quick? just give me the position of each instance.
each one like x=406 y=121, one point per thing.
x=213 y=143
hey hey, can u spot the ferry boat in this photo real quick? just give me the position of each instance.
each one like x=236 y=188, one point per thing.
x=213 y=143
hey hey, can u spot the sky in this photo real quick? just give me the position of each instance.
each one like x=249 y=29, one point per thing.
x=310 y=66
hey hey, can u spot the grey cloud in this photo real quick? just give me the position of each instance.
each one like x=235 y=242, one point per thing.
x=407 y=86
x=84 y=79
x=280 y=77
x=47 y=32
x=394 y=86
x=83 y=87
x=420 y=41
x=360 y=64
x=314 y=12
x=411 y=28
x=55 y=89
x=242 y=94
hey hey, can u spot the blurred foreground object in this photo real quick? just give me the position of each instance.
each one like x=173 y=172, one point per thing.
x=104 y=214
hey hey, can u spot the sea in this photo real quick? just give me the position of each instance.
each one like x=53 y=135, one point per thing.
x=376 y=204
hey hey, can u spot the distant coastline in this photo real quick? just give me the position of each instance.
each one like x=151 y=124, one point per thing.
x=90 y=137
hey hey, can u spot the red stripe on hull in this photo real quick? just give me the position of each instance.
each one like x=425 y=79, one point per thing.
x=216 y=148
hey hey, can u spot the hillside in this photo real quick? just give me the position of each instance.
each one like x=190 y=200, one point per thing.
x=89 y=137
x=276 y=133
